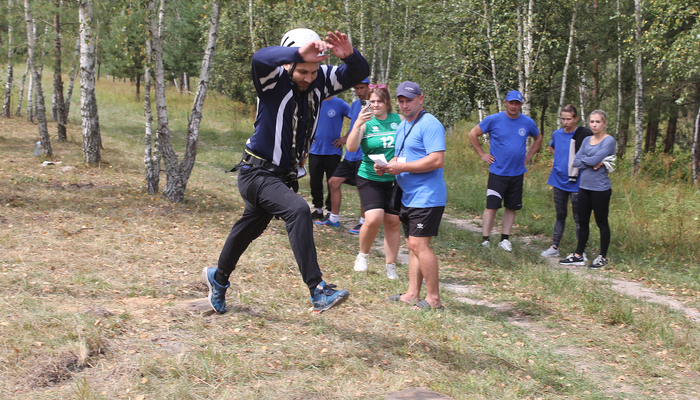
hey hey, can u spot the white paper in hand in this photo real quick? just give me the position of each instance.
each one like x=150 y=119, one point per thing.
x=378 y=159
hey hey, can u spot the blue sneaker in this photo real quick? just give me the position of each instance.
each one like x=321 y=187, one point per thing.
x=356 y=230
x=327 y=222
x=217 y=293
x=325 y=296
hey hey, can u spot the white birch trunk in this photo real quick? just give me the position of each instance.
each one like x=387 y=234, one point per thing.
x=482 y=114
x=562 y=95
x=58 y=110
x=18 y=113
x=167 y=153
x=251 y=26
x=638 y=106
x=362 y=27
x=521 y=74
x=372 y=72
x=30 y=97
x=696 y=149
x=10 y=50
x=582 y=91
x=406 y=31
x=348 y=25
x=619 y=73
x=73 y=72
x=40 y=109
x=528 y=63
x=92 y=141
x=391 y=43
x=151 y=157
x=494 y=75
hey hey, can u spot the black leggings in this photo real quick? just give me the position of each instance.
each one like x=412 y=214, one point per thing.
x=599 y=203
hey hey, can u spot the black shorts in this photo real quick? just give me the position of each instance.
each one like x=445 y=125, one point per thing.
x=506 y=189
x=421 y=222
x=375 y=195
x=348 y=170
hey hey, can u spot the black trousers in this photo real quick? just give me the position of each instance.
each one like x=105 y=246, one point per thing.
x=266 y=195
x=599 y=203
x=319 y=165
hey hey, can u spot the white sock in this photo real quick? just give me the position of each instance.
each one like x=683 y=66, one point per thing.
x=334 y=218
x=362 y=221
x=319 y=210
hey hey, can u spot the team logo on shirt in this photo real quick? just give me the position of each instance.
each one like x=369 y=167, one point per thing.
x=394 y=125
x=522 y=132
x=331 y=113
x=375 y=129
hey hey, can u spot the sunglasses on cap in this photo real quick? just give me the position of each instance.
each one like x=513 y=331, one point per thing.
x=378 y=86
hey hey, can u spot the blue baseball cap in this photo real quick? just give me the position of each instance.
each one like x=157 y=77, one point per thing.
x=366 y=80
x=408 y=89
x=514 y=95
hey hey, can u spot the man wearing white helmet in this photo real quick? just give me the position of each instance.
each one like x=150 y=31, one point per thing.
x=290 y=85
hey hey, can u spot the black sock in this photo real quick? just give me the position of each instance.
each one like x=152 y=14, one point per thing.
x=486 y=238
x=504 y=237
x=220 y=278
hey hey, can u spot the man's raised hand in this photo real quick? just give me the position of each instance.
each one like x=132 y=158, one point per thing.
x=340 y=44
x=309 y=51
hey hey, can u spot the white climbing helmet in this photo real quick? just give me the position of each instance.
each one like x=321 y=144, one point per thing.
x=299 y=37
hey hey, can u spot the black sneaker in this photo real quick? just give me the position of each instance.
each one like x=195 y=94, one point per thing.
x=317 y=216
x=571 y=259
x=598 y=263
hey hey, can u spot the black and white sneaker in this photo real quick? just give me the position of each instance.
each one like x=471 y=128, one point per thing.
x=571 y=259
x=598 y=263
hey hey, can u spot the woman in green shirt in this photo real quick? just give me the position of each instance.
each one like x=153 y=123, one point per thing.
x=375 y=132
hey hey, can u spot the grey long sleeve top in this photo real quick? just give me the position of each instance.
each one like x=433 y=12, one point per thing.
x=587 y=157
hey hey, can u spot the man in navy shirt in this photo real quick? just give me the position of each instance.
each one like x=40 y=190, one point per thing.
x=508 y=132
x=326 y=151
x=290 y=84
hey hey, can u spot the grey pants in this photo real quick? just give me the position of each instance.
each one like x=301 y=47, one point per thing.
x=561 y=202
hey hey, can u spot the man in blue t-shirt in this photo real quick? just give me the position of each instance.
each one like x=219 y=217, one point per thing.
x=417 y=165
x=508 y=131
x=346 y=172
x=324 y=155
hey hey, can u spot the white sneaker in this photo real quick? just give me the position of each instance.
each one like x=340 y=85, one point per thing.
x=391 y=271
x=361 y=262
x=486 y=243
x=550 y=252
x=584 y=257
x=506 y=245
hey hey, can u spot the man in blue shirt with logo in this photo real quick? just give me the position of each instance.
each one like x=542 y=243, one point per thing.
x=325 y=152
x=346 y=172
x=417 y=164
x=508 y=132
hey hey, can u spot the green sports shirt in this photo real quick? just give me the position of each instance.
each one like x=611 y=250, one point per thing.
x=379 y=138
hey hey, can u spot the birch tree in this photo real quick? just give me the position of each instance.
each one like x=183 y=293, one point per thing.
x=18 y=113
x=572 y=34
x=696 y=149
x=10 y=51
x=40 y=109
x=59 y=113
x=619 y=70
x=177 y=174
x=638 y=106
x=492 y=58
x=151 y=157
x=73 y=73
x=92 y=141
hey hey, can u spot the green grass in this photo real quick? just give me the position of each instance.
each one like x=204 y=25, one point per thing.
x=67 y=252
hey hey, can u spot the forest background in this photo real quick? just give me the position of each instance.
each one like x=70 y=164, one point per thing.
x=97 y=269
x=639 y=61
